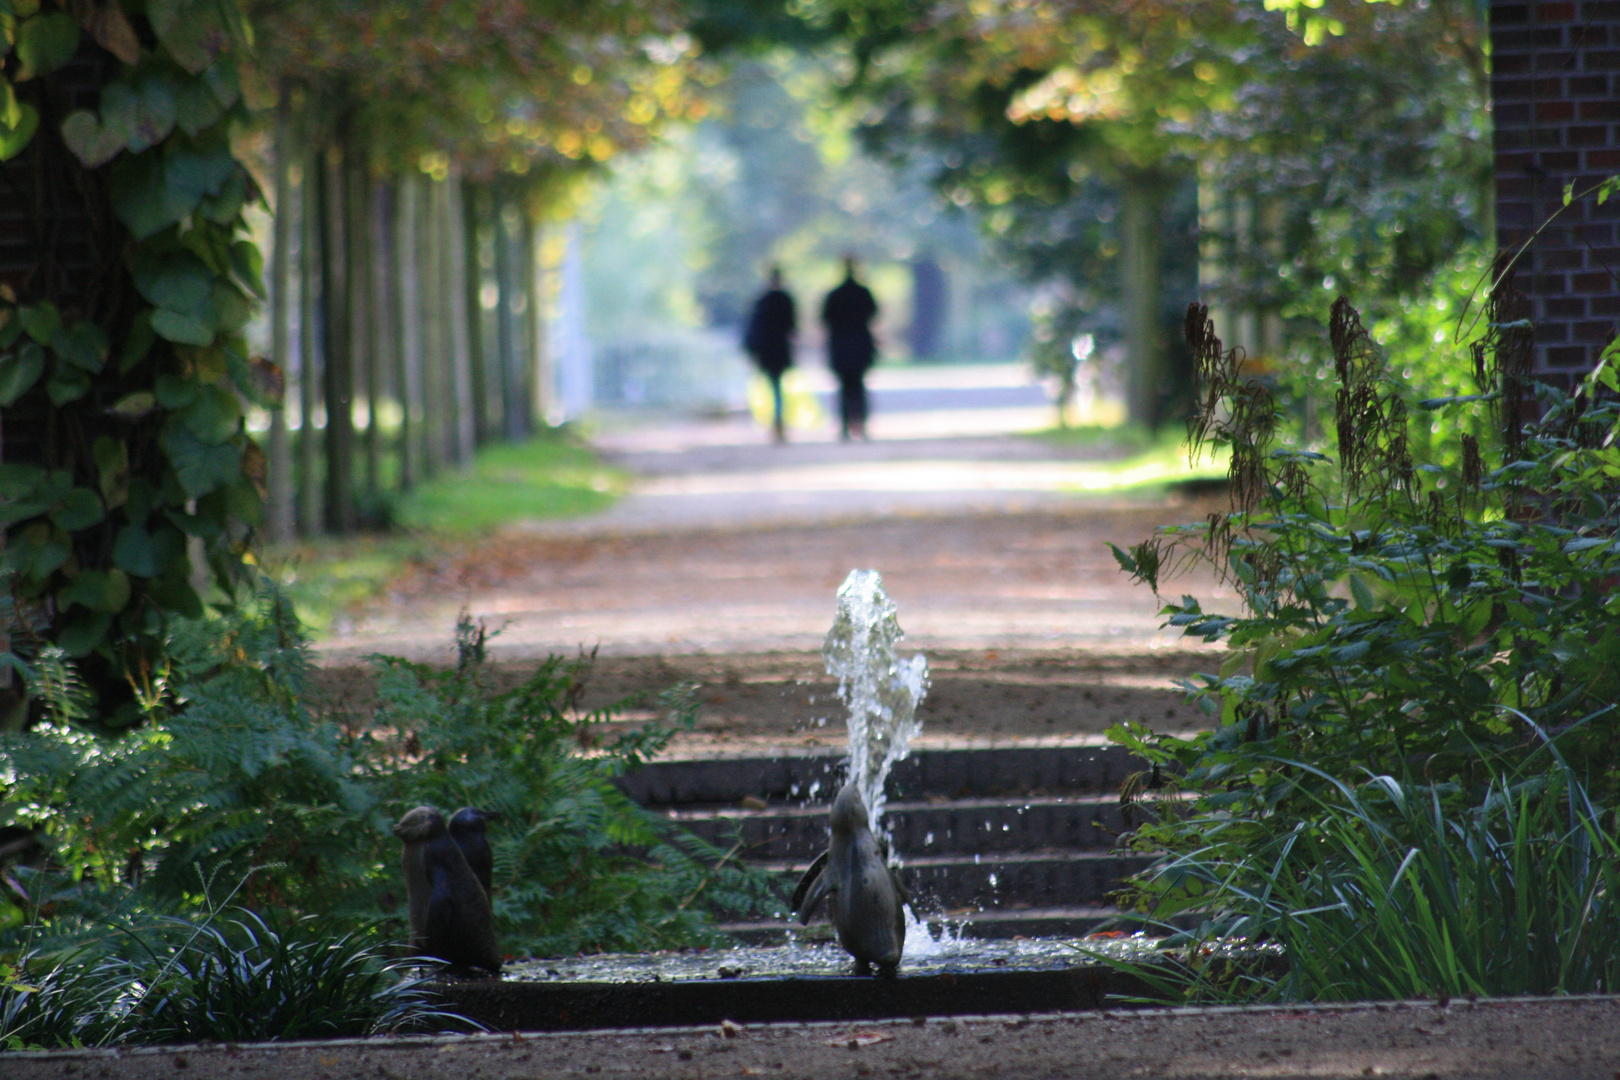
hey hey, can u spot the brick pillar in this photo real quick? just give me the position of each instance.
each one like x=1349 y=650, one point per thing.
x=1555 y=88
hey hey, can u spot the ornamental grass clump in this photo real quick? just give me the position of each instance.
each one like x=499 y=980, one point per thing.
x=1426 y=663
x=230 y=976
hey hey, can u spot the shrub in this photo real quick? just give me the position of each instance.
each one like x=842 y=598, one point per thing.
x=1436 y=627
x=235 y=778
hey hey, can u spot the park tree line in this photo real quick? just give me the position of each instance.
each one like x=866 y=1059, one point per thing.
x=412 y=155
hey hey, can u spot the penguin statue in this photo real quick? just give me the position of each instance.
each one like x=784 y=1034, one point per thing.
x=864 y=895
x=449 y=911
x=468 y=827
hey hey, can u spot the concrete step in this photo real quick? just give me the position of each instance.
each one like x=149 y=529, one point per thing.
x=1051 y=878
x=954 y=827
x=972 y=772
x=991 y=923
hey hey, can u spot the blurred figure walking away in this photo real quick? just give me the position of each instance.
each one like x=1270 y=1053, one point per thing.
x=848 y=312
x=769 y=341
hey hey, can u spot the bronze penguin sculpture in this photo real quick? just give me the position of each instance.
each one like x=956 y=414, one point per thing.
x=449 y=910
x=468 y=827
x=864 y=895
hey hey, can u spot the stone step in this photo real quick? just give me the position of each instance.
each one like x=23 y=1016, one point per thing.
x=1026 y=879
x=992 y=923
x=955 y=827
x=1011 y=772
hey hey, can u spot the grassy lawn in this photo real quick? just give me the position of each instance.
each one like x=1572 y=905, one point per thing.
x=550 y=476
x=1134 y=460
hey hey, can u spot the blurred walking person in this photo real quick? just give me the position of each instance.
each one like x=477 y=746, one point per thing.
x=848 y=312
x=769 y=341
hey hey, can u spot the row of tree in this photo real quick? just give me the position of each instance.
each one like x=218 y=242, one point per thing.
x=413 y=146
x=1296 y=149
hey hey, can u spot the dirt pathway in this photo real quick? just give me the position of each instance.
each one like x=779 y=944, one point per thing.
x=722 y=569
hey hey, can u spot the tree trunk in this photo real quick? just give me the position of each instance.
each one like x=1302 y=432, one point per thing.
x=460 y=344
x=279 y=513
x=384 y=386
x=537 y=373
x=436 y=401
x=408 y=328
x=335 y=333
x=362 y=301
x=507 y=330
x=1141 y=291
x=474 y=199
x=309 y=349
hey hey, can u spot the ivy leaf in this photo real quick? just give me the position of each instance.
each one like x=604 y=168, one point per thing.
x=174 y=592
x=147 y=553
x=201 y=468
x=20 y=481
x=183 y=329
x=41 y=320
x=134 y=405
x=83 y=631
x=182 y=287
x=45 y=42
x=106 y=22
x=137 y=343
x=93 y=144
x=223 y=81
x=223 y=208
x=112 y=470
x=37 y=551
x=192 y=31
x=19 y=371
x=139 y=196
x=214 y=416
x=85 y=346
x=18 y=122
x=81 y=509
x=231 y=309
x=156 y=189
x=195 y=168
x=143 y=108
x=197 y=106
x=67 y=383
x=247 y=263
x=174 y=391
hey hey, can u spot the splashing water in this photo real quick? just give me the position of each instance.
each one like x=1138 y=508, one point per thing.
x=882 y=693
x=880 y=690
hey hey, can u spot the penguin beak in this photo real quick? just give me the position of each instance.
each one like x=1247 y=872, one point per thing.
x=493 y=815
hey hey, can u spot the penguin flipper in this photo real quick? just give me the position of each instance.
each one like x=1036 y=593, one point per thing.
x=900 y=889
x=812 y=888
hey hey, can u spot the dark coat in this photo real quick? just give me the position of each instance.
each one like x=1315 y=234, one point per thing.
x=770 y=332
x=848 y=312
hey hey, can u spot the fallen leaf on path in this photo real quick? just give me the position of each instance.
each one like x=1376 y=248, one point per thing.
x=860 y=1038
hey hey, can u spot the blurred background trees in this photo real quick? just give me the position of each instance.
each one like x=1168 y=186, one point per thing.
x=467 y=198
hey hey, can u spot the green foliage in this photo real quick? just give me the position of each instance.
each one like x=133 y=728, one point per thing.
x=230 y=976
x=235 y=778
x=578 y=865
x=1385 y=892
x=143 y=378
x=1438 y=626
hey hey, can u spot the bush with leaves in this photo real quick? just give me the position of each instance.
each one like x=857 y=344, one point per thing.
x=234 y=778
x=227 y=976
x=1401 y=618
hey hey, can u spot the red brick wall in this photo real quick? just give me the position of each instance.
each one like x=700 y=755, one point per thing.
x=1555 y=87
